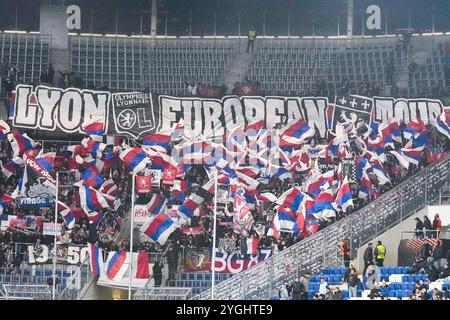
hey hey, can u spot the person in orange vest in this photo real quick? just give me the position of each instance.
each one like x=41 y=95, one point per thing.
x=344 y=252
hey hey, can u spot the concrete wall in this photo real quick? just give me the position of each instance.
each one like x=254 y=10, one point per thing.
x=444 y=214
x=94 y=292
x=391 y=240
x=53 y=22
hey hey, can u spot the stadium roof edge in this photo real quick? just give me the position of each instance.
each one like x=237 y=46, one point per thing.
x=230 y=37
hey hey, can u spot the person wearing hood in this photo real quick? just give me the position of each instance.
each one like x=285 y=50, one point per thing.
x=419 y=228
x=427 y=226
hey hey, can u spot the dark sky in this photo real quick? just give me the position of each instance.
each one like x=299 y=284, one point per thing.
x=198 y=17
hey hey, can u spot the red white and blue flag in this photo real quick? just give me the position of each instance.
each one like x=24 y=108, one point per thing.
x=67 y=214
x=96 y=259
x=324 y=205
x=284 y=221
x=252 y=245
x=94 y=128
x=12 y=166
x=441 y=125
x=134 y=158
x=344 y=196
x=156 y=205
x=157 y=141
x=20 y=142
x=414 y=128
x=292 y=198
x=110 y=188
x=413 y=155
x=91 y=200
x=4 y=129
x=116 y=266
x=295 y=134
x=159 y=228
x=92 y=177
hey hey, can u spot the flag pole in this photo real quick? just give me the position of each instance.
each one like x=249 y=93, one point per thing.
x=133 y=186
x=54 y=241
x=213 y=260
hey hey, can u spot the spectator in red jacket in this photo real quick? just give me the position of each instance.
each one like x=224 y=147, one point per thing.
x=437 y=225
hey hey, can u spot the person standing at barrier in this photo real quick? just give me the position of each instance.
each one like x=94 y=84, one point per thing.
x=380 y=254
x=344 y=252
x=157 y=273
x=297 y=289
x=419 y=228
x=368 y=257
x=437 y=224
x=172 y=261
x=305 y=281
x=427 y=226
x=251 y=38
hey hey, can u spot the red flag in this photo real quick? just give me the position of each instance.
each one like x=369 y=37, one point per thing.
x=169 y=175
x=311 y=226
x=142 y=270
x=143 y=184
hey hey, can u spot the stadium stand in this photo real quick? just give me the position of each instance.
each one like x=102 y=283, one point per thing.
x=292 y=67
x=161 y=66
x=30 y=53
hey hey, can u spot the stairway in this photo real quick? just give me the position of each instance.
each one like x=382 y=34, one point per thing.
x=420 y=51
x=60 y=59
x=238 y=67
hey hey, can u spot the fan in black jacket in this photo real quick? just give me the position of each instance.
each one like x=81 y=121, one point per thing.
x=368 y=257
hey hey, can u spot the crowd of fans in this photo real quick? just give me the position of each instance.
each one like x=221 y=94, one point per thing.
x=107 y=234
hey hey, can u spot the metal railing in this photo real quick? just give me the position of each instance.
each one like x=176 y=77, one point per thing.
x=320 y=250
x=25 y=292
x=162 y=293
x=425 y=234
x=76 y=282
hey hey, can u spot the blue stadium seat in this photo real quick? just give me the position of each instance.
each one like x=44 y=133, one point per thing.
x=392 y=270
x=274 y=298
x=191 y=276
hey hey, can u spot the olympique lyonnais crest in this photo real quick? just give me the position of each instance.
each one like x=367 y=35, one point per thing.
x=357 y=109
x=133 y=113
